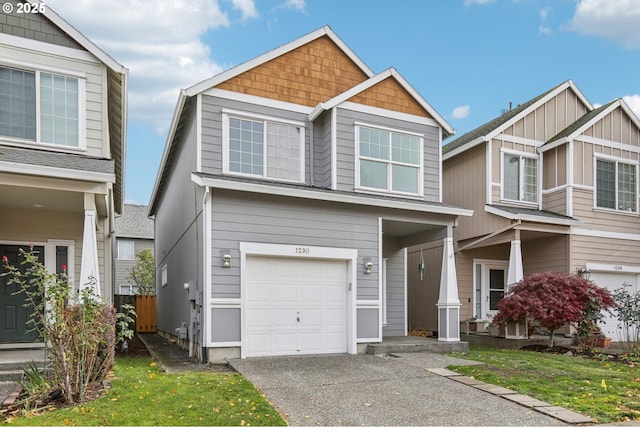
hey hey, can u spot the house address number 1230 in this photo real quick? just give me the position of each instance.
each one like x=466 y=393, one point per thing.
x=302 y=251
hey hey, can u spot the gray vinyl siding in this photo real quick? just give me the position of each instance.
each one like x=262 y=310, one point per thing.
x=178 y=234
x=212 y=129
x=279 y=220
x=322 y=150
x=395 y=296
x=346 y=155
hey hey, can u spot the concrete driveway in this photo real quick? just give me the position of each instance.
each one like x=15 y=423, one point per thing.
x=374 y=390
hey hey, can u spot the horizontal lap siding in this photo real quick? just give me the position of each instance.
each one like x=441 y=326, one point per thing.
x=556 y=201
x=395 y=296
x=601 y=220
x=322 y=150
x=260 y=219
x=212 y=128
x=346 y=154
x=547 y=254
x=604 y=250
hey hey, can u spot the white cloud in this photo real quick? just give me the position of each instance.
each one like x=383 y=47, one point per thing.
x=545 y=30
x=157 y=40
x=246 y=7
x=298 y=5
x=461 y=112
x=616 y=20
x=634 y=103
x=544 y=12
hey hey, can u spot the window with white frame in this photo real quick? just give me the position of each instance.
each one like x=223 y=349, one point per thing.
x=40 y=106
x=265 y=148
x=616 y=185
x=164 y=278
x=520 y=178
x=389 y=160
x=126 y=250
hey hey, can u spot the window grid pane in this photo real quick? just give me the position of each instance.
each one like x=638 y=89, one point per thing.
x=626 y=187
x=374 y=143
x=511 y=178
x=606 y=184
x=530 y=180
x=283 y=151
x=59 y=109
x=17 y=103
x=246 y=146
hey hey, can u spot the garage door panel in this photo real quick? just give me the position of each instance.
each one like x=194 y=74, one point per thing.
x=612 y=281
x=278 y=290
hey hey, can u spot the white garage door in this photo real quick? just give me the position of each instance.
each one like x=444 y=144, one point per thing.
x=295 y=306
x=613 y=281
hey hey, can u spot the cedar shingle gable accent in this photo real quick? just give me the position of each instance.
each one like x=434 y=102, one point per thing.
x=390 y=95
x=308 y=75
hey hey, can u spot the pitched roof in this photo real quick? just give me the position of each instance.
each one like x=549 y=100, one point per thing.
x=134 y=223
x=487 y=130
x=388 y=73
x=530 y=214
x=588 y=120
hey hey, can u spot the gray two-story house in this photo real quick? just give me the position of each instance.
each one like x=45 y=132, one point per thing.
x=289 y=191
x=63 y=114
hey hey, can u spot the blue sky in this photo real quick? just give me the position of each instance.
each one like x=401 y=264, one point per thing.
x=468 y=58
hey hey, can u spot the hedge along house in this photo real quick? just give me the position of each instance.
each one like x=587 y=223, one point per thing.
x=553 y=184
x=289 y=190
x=63 y=115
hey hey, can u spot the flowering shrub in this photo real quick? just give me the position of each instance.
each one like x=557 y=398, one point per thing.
x=554 y=300
x=80 y=333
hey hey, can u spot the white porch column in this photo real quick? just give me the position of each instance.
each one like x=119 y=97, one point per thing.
x=448 y=302
x=89 y=271
x=515 y=263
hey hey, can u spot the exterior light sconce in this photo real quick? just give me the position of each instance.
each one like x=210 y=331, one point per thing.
x=368 y=266
x=226 y=261
x=584 y=272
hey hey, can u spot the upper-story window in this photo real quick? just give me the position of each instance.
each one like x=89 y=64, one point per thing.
x=520 y=178
x=616 y=186
x=389 y=160
x=39 y=106
x=126 y=250
x=265 y=148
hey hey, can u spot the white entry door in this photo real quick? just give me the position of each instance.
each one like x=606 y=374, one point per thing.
x=491 y=285
x=613 y=281
x=294 y=306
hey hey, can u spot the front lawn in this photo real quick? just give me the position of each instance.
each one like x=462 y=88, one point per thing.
x=604 y=390
x=141 y=394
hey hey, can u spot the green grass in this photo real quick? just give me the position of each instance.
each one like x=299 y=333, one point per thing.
x=605 y=391
x=141 y=394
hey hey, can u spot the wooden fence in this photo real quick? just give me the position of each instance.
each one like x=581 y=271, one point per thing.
x=145 y=306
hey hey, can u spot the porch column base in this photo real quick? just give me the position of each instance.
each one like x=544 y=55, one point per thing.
x=448 y=322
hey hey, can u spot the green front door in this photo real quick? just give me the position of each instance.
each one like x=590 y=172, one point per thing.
x=14 y=315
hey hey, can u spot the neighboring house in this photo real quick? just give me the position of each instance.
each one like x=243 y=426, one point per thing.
x=63 y=116
x=553 y=184
x=134 y=233
x=289 y=189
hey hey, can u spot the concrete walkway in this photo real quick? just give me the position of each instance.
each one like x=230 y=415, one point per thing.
x=375 y=390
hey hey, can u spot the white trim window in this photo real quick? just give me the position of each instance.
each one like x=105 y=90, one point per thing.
x=126 y=250
x=389 y=160
x=616 y=185
x=42 y=107
x=264 y=147
x=520 y=178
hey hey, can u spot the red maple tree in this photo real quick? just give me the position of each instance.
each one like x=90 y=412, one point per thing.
x=554 y=300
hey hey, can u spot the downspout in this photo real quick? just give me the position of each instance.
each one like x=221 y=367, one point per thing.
x=206 y=259
x=312 y=180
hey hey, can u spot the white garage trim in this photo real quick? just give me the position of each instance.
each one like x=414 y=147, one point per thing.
x=350 y=256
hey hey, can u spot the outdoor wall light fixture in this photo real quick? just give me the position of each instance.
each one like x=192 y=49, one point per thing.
x=226 y=260
x=584 y=272
x=368 y=266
